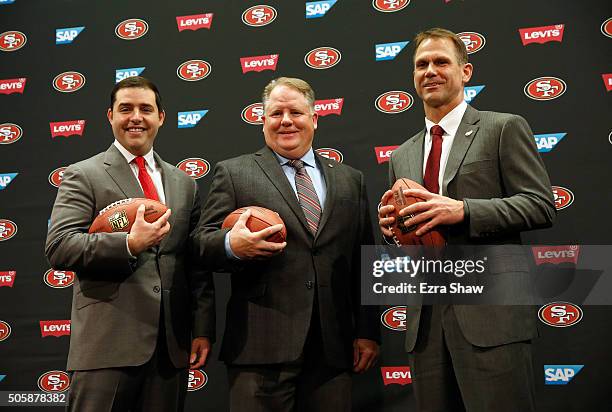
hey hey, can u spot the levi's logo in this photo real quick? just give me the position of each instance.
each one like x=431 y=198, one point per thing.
x=607 y=78
x=194 y=22
x=55 y=328
x=331 y=106
x=383 y=153
x=542 y=34
x=259 y=63
x=67 y=128
x=8 y=86
x=396 y=374
x=556 y=254
x=7 y=278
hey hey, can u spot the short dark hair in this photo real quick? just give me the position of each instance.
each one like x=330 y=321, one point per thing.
x=439 y=33
x=137 y=82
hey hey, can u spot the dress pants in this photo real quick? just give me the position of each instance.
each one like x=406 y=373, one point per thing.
x=307 y=384
x=156 y=386
x=450 y=374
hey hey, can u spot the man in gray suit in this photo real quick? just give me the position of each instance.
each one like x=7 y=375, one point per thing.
x=295 y=328
x=141 y=310
x=486 y=184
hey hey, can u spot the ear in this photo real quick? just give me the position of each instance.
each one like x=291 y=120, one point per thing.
x=162 y=117
x=109 y=114
x=467 y=72
x=315 y=119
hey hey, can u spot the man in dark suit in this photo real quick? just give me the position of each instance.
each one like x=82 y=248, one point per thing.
x=486 y=184
x=294 y=328
x=141 y=310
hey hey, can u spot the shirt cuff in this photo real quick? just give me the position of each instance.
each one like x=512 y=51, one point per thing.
x=228 y=249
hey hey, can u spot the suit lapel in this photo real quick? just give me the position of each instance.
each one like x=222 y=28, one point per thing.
x=268 y=163
x=171 y=185
x=326 y=167
x=463 y=139
x=415 y=158
x=120 y=171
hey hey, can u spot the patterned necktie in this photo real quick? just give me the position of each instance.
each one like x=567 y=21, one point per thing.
x=307 y=195
x=145 y=179
x=432 y=168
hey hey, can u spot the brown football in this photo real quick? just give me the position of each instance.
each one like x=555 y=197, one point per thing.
x=260 y=219
x=120 y=215
x=405 y=235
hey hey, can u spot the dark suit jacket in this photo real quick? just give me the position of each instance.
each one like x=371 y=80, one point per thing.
x=269 y=311
x=495 y=168
x=116 y=302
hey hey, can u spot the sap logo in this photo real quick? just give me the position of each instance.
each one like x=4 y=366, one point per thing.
x=560 y=374
x=190 y=119
x=3 y=376
x=470 y=92
x=1 y=3
x=316 y=9
x=546 y=142
x=388 y=51
x=5 y=179
x=121 y=74
x=67 y=35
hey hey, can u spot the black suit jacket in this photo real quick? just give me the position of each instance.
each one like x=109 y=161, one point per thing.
x=116 y=303
x=270 y=308
x=495 y=168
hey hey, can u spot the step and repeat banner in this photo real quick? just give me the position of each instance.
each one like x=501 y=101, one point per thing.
x=549 y=61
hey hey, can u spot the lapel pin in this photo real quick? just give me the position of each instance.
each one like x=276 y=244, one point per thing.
x=330 y=165
x=469 y=133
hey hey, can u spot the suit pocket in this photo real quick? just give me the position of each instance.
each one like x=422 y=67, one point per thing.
x=97 y=293
x=476 y=166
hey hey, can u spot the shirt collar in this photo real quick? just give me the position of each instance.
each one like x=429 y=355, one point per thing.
x=129 y=157
x=308 y=158
x=450 y=122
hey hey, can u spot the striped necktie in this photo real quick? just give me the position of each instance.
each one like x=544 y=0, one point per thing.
x=307 y=196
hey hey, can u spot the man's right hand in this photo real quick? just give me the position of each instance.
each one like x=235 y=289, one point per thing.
x=253 y=245
x=144 y=235
x=384 y=221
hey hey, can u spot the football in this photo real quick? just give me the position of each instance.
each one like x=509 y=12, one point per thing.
x=260 y=219
x=405 y=235
x=120 y=215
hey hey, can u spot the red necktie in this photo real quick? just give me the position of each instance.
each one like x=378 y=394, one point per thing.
x=432 y=168
x=145 y=179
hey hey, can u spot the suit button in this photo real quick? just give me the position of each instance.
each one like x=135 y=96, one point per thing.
x=309 y=284
x=156 y=289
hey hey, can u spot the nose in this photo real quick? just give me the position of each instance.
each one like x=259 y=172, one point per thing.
x=286 y=120
x=431 y=70
x=136 y=115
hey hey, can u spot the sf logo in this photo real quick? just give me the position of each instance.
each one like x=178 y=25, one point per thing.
x=11 y=41
x=193 y=169
x=546 y=88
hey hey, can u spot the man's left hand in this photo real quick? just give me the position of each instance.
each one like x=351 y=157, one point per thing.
x=365 y=353
x=200 y=348
x=435 y=210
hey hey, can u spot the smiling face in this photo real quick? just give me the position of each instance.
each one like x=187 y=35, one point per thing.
x=288 y=122
x=438 y=76
x=135 y=119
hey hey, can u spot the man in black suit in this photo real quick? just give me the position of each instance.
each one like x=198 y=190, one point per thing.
x=486 y=185
x=294 y=328
x=142 y=311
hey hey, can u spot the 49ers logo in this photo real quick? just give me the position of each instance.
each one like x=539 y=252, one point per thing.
x=394 y=318
x=259 y=15
x=197 y=380
x=12 y=41
x=59 y=279
x=545 y=88
x=606 y=27
x=194 y=167
x=322 y=58
x=8 y=229
x=54 y=381
x=253 y=113
x=5 y=330
x=560 y=314
x=68 y=82
x=389 y=6
x=330 y=153
x=394 y=101
x=131 y=29
x=56 y=176
x=193 y=70
x=563 y=197
x=473 y=41
x=10 y=133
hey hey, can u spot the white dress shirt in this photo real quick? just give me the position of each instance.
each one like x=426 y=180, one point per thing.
x=450 y=124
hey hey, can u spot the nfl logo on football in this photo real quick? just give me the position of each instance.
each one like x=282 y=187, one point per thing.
x=118 y=221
